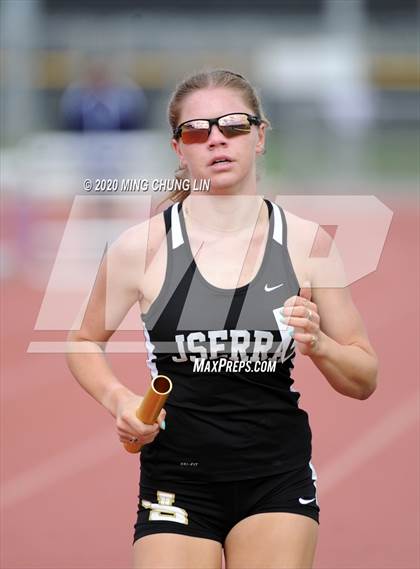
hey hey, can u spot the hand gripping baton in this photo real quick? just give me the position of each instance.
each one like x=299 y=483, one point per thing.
x=151 y=405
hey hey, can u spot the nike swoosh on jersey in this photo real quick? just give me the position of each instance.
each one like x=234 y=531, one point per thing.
x=270 y=288
x=304 y=501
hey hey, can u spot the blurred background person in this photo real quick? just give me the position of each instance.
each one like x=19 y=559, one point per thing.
x=101 y=101
x=100 y=104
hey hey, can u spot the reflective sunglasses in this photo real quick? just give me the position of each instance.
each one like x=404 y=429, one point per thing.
x=230 y=125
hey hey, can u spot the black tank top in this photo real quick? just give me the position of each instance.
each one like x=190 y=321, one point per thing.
x=232 y=413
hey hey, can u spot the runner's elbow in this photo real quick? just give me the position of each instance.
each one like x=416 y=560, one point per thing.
x=371 y=382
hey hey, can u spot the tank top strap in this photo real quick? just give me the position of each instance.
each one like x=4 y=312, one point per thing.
x=280 y=225
x=279 y=248
x=173 y=226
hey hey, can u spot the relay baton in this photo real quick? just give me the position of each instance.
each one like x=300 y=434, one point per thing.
x=151 y=406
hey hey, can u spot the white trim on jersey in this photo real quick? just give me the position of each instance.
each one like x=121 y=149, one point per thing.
x=278 y=224
x=150 y=355
x=177 y=238
x=293 y=390
x=314 y=479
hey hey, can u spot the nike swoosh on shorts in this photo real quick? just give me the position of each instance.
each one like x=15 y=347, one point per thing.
x=303 y=501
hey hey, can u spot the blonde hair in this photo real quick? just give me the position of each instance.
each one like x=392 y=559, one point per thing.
x=204 y=80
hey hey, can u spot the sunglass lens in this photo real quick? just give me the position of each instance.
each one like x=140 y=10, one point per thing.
x=195 y=131
x=232 y=125
x=193 y=135
x=230 y=131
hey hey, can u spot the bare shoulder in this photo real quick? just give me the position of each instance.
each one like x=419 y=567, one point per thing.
x=140 y=237
x=314 y=253
x=133 y=249
x=300 y=230
x=301 y=236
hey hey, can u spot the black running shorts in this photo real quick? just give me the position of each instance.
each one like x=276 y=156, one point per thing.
x=211 y=509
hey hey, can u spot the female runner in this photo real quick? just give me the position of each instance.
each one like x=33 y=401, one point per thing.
x=226 y=294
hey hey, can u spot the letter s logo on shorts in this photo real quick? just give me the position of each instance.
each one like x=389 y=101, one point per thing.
x=164 y=510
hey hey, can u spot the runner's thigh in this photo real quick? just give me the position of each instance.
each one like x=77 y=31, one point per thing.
x=276 y=540
x=175 y=551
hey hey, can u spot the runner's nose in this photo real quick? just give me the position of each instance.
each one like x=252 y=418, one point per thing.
x=215 y=136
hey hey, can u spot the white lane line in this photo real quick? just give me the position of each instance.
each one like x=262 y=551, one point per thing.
x=370 y=444
x=65 y=464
